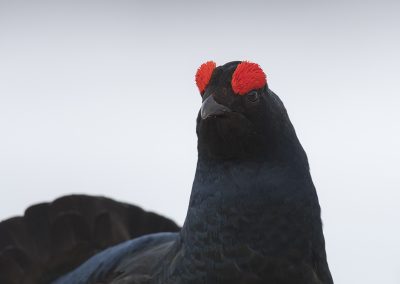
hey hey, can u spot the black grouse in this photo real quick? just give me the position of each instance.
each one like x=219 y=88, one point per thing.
x=253 y=214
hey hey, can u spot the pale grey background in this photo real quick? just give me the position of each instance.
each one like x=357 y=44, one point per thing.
x=99 y=97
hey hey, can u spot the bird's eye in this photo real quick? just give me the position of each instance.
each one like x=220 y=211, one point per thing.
x=252 y=96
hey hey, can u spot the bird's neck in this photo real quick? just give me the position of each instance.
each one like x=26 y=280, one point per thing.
x=244 y=203
x=246 y=217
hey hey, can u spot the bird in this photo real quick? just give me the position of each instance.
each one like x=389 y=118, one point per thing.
x=253 y=215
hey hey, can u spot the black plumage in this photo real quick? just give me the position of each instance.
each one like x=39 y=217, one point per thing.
x=54 y=238
x=253 y=214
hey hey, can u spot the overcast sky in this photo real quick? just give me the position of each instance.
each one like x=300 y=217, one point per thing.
x=98 y=97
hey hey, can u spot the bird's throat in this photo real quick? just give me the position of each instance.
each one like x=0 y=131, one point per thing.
x=235 y=204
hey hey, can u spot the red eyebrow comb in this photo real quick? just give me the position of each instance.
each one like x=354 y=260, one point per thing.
x=203 y=75
x=248 y=76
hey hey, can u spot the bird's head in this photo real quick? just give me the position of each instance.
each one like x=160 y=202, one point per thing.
x=240 y=118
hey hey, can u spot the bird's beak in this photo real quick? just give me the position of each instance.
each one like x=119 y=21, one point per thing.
x=211 y=108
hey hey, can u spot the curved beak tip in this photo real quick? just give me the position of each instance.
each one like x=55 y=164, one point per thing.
x=211 y=108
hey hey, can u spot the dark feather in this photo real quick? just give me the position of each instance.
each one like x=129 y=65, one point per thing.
x=54 y=238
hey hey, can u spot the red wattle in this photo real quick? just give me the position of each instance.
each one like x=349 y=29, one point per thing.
x=248 y=76
x=203 y=75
